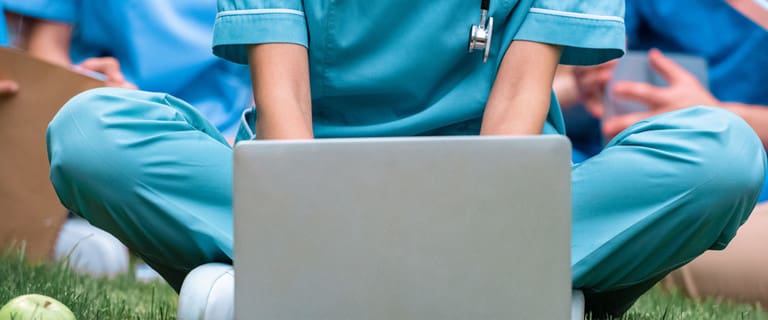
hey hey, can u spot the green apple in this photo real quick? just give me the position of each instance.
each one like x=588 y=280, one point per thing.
x=35 y=307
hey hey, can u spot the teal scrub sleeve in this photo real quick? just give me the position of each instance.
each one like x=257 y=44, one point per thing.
x=240 y=23
x=590 y=31
x=55 y=10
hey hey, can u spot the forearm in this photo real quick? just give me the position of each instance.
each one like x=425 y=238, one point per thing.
x=49 y=41
x=755 y=115
x=519 y=100
x=281 y=91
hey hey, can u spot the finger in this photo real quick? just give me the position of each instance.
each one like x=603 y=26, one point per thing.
x=8 y=87
x=108 y=66
x=667 y=68
x=605 y=73
x=591 y=83
x=591 y=94
x=647 y=94
x=121 y=84
x=606 y=69
x=597 y=79
x=594 y=105
x=595 y=75
x=610 y=65
x=613 y=126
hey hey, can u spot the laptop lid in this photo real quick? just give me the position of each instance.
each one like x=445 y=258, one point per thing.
x=403 y=228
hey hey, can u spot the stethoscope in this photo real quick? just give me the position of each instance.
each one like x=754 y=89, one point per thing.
x=480 y=35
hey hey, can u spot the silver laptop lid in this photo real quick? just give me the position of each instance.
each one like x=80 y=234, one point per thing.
x=403 y=228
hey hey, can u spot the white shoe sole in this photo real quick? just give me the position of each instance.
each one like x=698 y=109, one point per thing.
x=577 y=305
x=208 y=293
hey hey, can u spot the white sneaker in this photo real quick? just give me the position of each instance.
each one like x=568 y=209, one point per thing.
x=208 y=293
x=145 y=273
x=91 y=250
x=577 y=305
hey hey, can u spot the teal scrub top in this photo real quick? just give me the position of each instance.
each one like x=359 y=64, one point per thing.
x=162 y=46
x=401 y=67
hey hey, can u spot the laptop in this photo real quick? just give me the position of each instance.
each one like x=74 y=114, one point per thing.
x=403 y=228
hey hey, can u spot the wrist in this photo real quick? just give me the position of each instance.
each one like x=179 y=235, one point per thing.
x=288 y=124
x=736 y=108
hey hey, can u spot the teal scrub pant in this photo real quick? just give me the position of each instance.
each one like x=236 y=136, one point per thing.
x=149 y=169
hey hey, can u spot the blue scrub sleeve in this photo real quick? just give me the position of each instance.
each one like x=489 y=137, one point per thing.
x=3 y=31
x=55 y=10
x=590 y=31
x=634 y=19
x=240 y=23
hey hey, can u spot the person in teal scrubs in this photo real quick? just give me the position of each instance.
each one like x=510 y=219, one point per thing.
x=664 y=190
x=161 y=46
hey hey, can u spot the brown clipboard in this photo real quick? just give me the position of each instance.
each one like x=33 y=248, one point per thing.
x=30 y=211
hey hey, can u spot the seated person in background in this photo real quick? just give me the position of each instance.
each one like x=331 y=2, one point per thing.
x=46 y=40
x=160 y=46
x=734 y=41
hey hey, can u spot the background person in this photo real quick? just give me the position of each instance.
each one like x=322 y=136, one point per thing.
x=158 y=46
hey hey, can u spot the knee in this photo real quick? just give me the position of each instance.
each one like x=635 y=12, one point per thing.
x=706 y=147
x=729 y=165
x=733 y=153
x=83 y=153
x=79 y=122
x=90 y=109
x=85 y=114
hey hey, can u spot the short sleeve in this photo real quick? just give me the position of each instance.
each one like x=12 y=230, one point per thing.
x=590 y=31
x=54 y=10
x=240 y=23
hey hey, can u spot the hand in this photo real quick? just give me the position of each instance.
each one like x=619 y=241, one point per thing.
x=565 y=87
x=109 y=67
x=684 y=91
x=8 y=87
x=591 y=82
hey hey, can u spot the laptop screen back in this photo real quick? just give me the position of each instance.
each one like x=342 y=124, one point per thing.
x=403 y=228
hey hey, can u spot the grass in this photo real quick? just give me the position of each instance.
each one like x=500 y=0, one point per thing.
x=126 y=298
x=660 y=304
x=88 y=297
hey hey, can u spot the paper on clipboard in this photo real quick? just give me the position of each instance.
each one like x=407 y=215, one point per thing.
x=30 y=211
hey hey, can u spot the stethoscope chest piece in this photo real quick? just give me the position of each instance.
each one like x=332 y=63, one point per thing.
x=480 y=35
